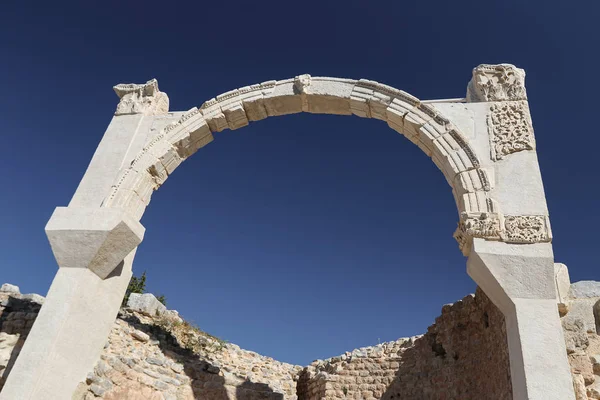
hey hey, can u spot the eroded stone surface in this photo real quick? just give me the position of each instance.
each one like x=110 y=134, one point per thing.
x=463 y=355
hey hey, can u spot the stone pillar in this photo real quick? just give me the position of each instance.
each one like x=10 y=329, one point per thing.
x=510 y=251
x=519 y=279
x=94 y=247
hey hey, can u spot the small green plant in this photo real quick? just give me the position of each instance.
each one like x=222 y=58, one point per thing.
x=138 y=285
x=345 y=390
x=162 y=299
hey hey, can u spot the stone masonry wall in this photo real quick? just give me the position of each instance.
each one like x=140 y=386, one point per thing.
x=462 y=356
x=17 y=314
x=581 y=323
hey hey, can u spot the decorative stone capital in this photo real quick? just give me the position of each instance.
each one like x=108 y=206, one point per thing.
x=524 y=229
x=477 y=224
x=499 y=82
x=94 y=238
x=141 y=99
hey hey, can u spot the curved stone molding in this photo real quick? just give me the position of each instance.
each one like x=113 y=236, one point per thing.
x=510 y=128
x=141 y=99
x=499 y=82
x=421 y=123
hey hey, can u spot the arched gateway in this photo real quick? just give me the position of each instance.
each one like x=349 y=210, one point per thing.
x=484 y=145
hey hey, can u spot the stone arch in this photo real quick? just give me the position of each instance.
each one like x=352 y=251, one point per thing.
x=420 y=122
x=95 y=238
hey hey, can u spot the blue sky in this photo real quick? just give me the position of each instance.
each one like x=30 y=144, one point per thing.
x=303 y=236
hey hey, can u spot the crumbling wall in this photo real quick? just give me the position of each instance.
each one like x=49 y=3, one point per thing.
x=579 y=318
x=463 y=356
x=162 y=357
x=17 y=314
x=153 y=354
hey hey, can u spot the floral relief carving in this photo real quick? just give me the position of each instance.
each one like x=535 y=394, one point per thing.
x=507 y=228
x=477 y=225
x=526 y=229
x=510 y=129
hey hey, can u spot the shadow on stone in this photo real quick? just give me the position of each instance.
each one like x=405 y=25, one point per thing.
x=207 y=380
x=464 y=355
x=14 y=320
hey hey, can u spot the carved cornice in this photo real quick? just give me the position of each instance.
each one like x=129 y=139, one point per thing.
x=499 y=82
x=510 y=129
x=141 y=99
x=524 y=229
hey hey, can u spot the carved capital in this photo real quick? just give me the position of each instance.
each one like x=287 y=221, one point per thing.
x=141 y=99
x=510 y=128
x=526 y=229
x=477 y=225
x=499 y=82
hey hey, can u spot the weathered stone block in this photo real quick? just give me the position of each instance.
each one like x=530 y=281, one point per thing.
x=146 y=303
x=584 y=290
x=94 y=238
x=8 y=288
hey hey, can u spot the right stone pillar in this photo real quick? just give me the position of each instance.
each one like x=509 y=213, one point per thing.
x=509 y=247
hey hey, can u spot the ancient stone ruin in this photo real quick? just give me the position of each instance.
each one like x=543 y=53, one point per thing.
x=151 y=353
x=483 y=144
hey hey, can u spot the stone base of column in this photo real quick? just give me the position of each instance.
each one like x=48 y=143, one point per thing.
x=69 y=333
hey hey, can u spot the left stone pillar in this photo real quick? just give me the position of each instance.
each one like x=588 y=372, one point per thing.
x=94 y=247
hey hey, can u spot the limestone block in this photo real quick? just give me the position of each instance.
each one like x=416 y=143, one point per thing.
x=94 y=238
x=414 y=120
x=146 y=303
x=8 y=288
x=583 y=309
x=283 y=99
x=328 y=95
x=474 y=180
x=214 y=116
x=235 y=116
x=378 y=105
x=563 y=282
x=584 y=289
x=395 y=114
x=191 y=135
x=359 y=101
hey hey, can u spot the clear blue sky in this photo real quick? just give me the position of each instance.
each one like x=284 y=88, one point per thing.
x=303 y=236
